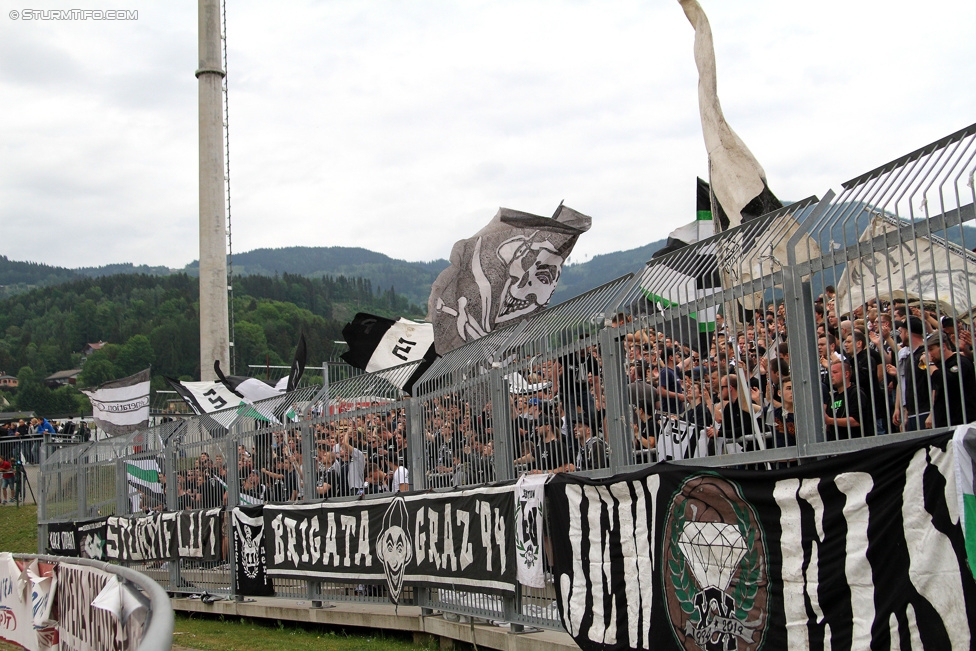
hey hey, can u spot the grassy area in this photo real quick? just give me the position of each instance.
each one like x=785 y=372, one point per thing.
x=18 y=529
x=224 y=634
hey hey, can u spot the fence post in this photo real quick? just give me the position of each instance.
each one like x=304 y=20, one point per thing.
x=231 y=458
x=418 y=480
x=81 y=482
x=313 y=588
x=42 y=496
x=807 y=401
x=616 y=425
x=501 y=423
x=801 y=335
x=415 y=445
x=504 y=458
x=172 y=498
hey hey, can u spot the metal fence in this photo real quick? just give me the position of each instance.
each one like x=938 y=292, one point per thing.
x=152 y=632
x=828 y=326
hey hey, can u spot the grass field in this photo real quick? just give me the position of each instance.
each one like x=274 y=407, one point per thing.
x=18 y=529
x=18 y=534
x=220 y=634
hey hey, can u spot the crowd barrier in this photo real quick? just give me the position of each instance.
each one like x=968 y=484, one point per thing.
x=767 y=346
x=81 y=603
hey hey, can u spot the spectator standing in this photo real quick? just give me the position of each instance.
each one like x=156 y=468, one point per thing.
x=669 y=384
x=846 y=411
x=953 y=384
x=914 y=393
x=592 y=452
x=400 y=479
x=867 y=363
x=6 y=480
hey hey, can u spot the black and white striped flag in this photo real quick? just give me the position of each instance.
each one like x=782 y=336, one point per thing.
x=254 y=389
x=861 y=551
x=377 y=343
x=121 y=406
x=205 y=397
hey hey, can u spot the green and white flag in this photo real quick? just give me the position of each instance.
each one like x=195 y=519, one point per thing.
x=964 y=451
x=144 y=473
x=685 y=272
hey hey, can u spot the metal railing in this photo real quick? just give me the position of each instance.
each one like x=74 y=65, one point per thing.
x=729 y=352
x=156 y=630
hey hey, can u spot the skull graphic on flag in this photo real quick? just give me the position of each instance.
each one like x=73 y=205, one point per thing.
x=506 y=272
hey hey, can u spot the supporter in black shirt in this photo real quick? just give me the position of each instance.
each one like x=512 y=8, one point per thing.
x=552 y=453
x=591 y=453
x=866 y=362
x=736 y=422
x=847 y=413
x=575 y=371
x=953 y=385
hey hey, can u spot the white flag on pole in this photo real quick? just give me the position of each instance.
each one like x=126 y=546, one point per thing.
x=121 y=406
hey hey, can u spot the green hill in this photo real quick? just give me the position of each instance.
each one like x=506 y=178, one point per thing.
x=409 y=279
x=579 y=278
x=154 y=320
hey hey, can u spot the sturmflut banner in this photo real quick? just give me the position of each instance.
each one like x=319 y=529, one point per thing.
x=459 y=540
x=861 y=551
x=165 y=536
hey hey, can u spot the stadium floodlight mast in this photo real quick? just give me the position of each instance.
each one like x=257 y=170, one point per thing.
x=214 y=329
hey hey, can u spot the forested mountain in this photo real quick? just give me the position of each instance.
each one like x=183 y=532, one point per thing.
x=17 y=277
x=579 y=278
x=409 y=279
x=152 y=320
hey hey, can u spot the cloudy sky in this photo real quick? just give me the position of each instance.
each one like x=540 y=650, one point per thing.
x=403 y=126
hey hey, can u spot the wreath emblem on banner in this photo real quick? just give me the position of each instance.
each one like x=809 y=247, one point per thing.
x=714 y=567
x=527 y=542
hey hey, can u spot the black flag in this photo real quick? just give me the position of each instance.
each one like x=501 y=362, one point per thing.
x=297 y=365
x=250 y=555
x=377 y=343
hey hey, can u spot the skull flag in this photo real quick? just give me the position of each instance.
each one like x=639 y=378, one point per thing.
x=250 y=562
x=503 y=274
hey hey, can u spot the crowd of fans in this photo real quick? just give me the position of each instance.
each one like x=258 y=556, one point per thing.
x=356 y=455
x=885 y=367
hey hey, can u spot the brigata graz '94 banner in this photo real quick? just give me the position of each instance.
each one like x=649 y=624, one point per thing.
x=862 y=551
x=461 y=539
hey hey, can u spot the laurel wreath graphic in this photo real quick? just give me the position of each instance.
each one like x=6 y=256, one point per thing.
x=680 y=577
x=746 y=588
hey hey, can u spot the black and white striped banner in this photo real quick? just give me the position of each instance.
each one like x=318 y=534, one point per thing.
x=862 y=551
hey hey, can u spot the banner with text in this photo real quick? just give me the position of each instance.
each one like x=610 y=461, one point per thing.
x=458 y=540
x=165 y=536
x=861 y=551
x=250 y=556
x=62 y=538
x=83 y=626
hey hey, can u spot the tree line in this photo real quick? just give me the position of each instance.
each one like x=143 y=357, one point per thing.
x=154 y=321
